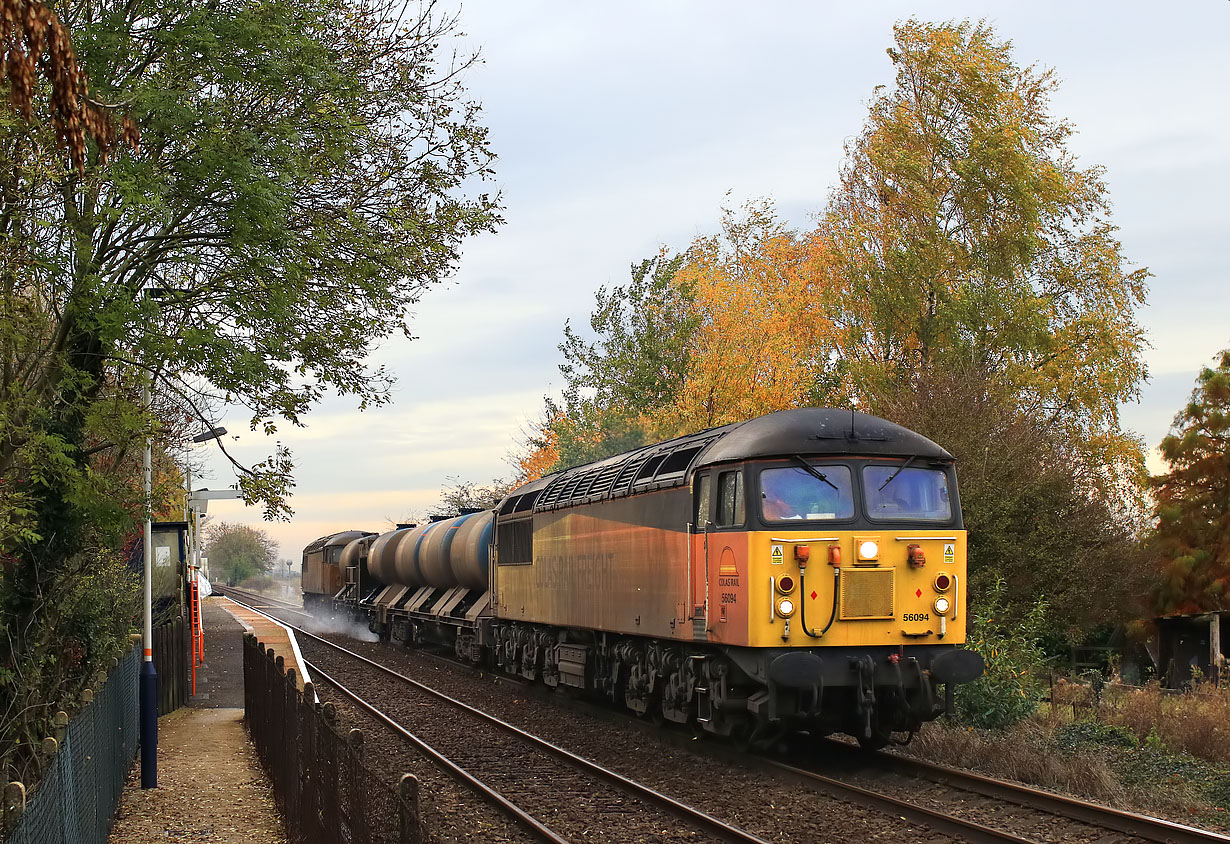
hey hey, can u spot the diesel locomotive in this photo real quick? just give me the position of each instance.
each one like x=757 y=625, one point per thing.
x=803 y=571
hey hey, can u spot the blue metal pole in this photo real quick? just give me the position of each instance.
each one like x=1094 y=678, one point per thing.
x=149 y=724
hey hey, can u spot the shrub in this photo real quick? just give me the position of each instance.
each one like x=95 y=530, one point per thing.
x=1093 y=733
x=258 y=583
x=85 y=619
x=1008 y=690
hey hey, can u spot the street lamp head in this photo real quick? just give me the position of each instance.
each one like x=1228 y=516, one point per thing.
x=211 y=434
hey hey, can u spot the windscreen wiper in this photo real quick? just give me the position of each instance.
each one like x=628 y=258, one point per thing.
x=900 y=469
x=813 y=471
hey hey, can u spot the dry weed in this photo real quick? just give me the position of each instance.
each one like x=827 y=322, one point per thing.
x=1024 y=753
x=1197 y=721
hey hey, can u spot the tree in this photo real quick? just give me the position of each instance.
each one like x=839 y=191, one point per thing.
x=615 y=383
x=963 y=232
x=763 y=339
x=307 y=171
x=1192 y=538
x=299 y=188
x=238 y=552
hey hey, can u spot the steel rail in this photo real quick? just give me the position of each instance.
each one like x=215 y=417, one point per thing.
x=1119 y=820
x=532 y=824
x=707 y=822
x=971 y=831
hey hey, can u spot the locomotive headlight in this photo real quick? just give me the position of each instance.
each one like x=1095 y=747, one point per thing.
x=868 y=550
x=785 y=607
x=942 y=605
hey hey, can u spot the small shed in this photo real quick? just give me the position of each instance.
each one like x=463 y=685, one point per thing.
x=1191 y=645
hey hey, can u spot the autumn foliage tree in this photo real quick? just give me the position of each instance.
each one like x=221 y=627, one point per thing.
x=1192 y=539
x=763 y=341
x=964 y=233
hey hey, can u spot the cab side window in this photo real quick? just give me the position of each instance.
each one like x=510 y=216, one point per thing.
x=702 y=502
x=730 y=499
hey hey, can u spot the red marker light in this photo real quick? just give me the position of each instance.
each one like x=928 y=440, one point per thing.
x=942 y=582
x=785 y=583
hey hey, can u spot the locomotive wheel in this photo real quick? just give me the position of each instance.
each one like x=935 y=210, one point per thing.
x=743 y=736
x=654 y=713
x=878 y=741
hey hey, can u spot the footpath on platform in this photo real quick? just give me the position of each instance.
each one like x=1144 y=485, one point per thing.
x=211 y=787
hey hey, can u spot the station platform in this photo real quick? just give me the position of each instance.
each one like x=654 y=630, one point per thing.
x=211 y=787
x=272 y=634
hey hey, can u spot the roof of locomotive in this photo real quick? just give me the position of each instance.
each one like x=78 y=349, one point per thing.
x=802 y=431
x=343 y=538
x=818 y=430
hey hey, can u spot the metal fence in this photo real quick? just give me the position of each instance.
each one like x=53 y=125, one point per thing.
x=323 y=788
x=81 y=787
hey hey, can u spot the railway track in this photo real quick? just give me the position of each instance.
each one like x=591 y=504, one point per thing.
x=963 y=805
x=526 y=777
x=259 y=602
x=1136 y=827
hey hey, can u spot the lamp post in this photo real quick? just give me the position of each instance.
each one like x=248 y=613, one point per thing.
x=148 y=686
x=149 y=675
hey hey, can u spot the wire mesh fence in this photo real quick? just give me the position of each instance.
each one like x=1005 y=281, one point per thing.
x=81 y=787
x=320 y=782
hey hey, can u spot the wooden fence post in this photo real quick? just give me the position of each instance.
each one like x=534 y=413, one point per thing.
x=14 y=805
x=408 y=808
x=357 y=789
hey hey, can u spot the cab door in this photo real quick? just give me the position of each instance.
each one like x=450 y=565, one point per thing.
x=719 y=553
x=698 y=554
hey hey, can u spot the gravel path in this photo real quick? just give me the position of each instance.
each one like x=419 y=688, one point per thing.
x=210 y=786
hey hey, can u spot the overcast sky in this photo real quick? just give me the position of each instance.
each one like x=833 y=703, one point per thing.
x=624 y=127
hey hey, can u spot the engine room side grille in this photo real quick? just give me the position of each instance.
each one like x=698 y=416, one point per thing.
x=867 y=593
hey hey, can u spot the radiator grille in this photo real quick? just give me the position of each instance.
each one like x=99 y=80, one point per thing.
x=867 y=593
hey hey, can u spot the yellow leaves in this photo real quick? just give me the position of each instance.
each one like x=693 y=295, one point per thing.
x=764 y=333
x=542 y=454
